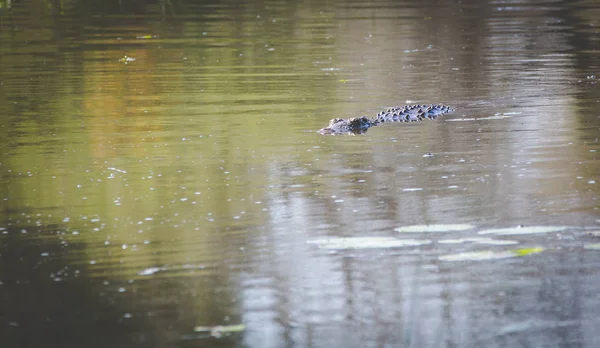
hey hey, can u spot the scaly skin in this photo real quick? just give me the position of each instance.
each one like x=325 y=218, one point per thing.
x=407 y=113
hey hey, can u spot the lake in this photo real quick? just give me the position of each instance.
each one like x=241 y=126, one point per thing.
x=162 y=183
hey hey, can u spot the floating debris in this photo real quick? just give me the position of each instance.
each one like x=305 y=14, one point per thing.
x=145 y=37
x=478 y=240
x=221 y=330
x=526 y=251
x=523 y=230
x=151 y=271
x=126 y=59
x=434 y=228
x=490 y=255
x=536 y=325
x=366 y=243
x=593 y=246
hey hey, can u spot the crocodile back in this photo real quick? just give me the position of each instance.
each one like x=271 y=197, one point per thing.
x=412 y=113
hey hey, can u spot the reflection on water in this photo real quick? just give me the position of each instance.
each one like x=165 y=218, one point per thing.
x=162 y=184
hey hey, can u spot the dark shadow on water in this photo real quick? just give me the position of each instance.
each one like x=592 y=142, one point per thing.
x=45 y=304
x=50 y=297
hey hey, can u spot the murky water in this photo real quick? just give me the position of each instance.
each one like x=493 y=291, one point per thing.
x=162 y=183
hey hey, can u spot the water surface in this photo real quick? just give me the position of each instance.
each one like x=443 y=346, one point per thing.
x=162 y=183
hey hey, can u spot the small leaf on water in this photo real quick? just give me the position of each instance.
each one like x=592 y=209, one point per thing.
x=126 y=59
x=489 y=255
x=527 y=251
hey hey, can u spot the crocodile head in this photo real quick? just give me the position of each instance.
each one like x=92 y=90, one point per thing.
x=356 y=125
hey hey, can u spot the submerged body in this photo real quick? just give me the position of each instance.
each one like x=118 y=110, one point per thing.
x=407 y=113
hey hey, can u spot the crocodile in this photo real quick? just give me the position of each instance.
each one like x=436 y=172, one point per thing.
x=406 y=113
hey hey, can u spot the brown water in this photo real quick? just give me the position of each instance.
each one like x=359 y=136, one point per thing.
x=162 y=183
